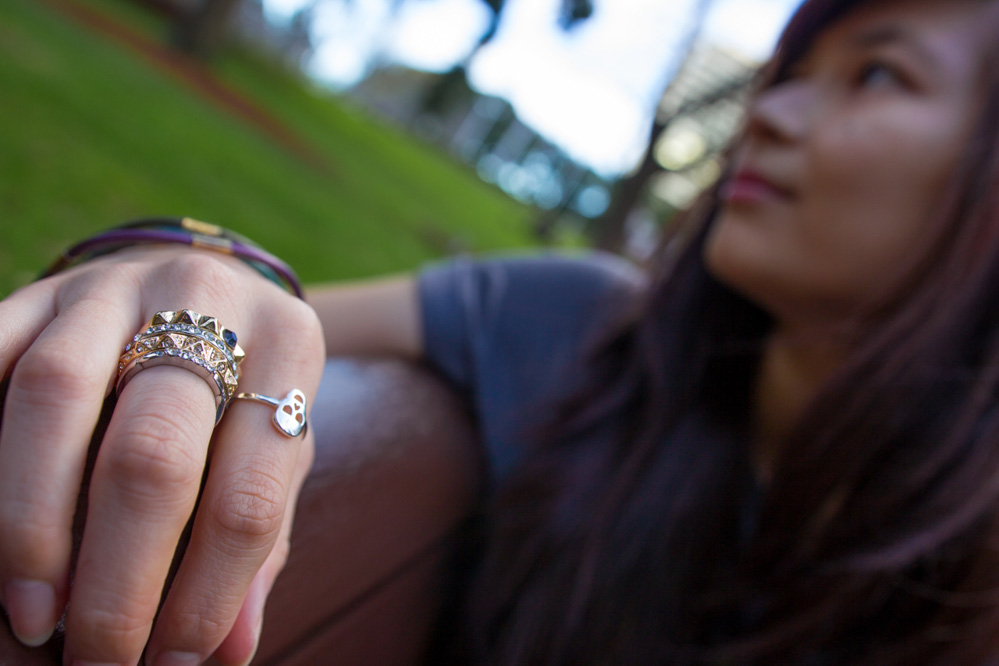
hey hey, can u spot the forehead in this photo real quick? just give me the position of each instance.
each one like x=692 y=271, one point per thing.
x=950 y=35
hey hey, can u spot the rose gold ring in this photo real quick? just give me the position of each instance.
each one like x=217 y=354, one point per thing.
x=185 y=339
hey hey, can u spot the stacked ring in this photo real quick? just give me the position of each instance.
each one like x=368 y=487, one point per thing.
x=186 y=339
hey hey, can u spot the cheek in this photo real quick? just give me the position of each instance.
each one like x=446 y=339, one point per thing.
x=856 y=233
x=893 y=161
x=877 y=190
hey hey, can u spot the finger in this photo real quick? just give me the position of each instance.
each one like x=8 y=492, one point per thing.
x=23 y=316
x=52 y=406
x=252 y=479
x=241 y=644
x=237 y=526
x=143 y=490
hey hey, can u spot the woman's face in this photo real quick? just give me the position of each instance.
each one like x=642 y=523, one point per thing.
x=842 y=167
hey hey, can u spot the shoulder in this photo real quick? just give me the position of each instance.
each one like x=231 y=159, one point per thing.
x=512 y=333
x=526 y=281
x=484 y=319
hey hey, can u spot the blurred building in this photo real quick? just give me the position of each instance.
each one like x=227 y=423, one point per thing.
x=485 y=133
x=699 y=114
x=701 y=111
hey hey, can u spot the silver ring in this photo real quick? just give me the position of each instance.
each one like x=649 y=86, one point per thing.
x=290 y=416
x=186 y=339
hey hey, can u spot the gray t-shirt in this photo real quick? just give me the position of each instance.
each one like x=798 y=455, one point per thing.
x=512 y=334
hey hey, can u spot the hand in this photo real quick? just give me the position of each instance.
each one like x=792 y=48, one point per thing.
x=60 y=339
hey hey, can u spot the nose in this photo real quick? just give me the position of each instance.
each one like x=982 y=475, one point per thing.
x=781 y=113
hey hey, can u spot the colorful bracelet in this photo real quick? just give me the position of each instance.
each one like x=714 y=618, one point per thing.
x=180 y=231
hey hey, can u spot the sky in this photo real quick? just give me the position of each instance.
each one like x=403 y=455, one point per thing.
x=592 y=91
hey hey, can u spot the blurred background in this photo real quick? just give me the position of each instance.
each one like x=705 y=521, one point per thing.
x=359 y=137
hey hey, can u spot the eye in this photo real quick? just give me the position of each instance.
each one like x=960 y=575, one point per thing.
x=879 y=74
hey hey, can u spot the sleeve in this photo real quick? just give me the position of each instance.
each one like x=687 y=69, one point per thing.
x=512 y=334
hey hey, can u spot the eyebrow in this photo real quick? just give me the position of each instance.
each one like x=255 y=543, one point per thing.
x=892 y=34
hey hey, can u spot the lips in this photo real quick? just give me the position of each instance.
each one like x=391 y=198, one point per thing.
x=747 y=186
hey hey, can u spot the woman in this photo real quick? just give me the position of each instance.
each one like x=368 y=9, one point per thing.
x=783 y=450
x=802 y=455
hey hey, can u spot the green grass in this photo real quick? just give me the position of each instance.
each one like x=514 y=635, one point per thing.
x=91 y=135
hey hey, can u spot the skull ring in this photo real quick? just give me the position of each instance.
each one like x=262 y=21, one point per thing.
x=289 y=417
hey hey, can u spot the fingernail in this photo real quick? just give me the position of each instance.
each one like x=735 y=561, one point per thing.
x=31 y=608
x=177 y=659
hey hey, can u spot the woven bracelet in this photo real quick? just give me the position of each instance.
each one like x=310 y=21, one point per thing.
x=180 y=231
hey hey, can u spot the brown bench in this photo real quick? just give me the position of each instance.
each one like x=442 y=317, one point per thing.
x=396 y=472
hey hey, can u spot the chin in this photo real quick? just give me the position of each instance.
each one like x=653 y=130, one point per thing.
x=725 y=253
x=729 y=257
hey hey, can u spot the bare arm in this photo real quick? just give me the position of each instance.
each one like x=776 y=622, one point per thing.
x=370 y=318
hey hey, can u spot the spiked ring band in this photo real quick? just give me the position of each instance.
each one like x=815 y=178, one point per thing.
x=188 y=340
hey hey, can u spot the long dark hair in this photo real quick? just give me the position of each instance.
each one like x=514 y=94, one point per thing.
x=636 y=532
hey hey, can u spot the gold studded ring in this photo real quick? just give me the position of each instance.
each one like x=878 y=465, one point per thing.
x=185 y=339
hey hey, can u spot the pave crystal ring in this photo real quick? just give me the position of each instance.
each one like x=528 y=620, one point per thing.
x=289 y=417
x=197 y=343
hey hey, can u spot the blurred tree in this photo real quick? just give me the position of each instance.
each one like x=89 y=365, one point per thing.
x=202 y=30
x=297 y=43
x=571 y=13
x=610 y=227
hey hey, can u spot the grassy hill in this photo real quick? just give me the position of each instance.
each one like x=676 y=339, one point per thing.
x=92 y=134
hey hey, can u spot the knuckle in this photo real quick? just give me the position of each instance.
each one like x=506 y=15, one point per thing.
x=51 y=374
x=250 y=507
x=201 y=274
x=29 y=536
x=297 y=329
x=306 y=320
x=153 y=463
x=115 y=273
x=95 y=282
x=303 y=317
x=199 y=626
x=123 y=629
